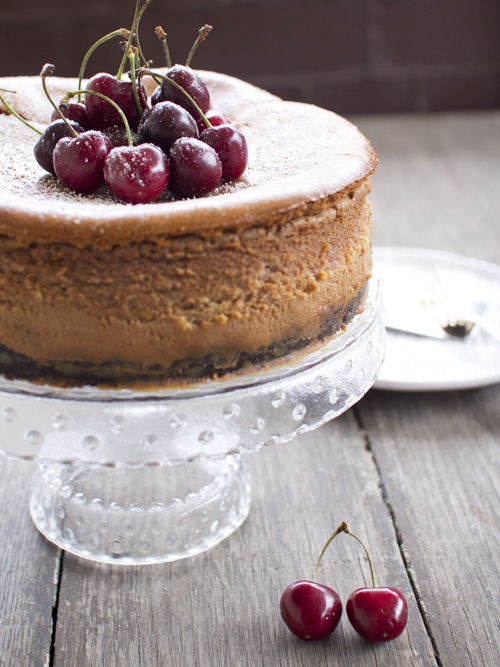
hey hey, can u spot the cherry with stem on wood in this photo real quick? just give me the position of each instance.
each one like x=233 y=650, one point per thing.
x=378 y=614
x=310 y=610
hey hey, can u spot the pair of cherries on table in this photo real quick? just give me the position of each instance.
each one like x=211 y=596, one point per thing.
x=312 y=611
x=180 y=143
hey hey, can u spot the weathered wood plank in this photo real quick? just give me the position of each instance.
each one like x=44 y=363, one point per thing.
x=437 y=181
x=436 y=187
x=439 y=457
x=221 y=608
x=28 y=574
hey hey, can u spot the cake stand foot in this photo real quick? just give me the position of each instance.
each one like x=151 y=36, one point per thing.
x=139 y=515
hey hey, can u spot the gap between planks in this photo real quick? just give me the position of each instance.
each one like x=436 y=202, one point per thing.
x=399 y=538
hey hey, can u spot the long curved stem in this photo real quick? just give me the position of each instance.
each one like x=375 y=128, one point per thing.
x=72 y=93
x=340 y=529
x=133 y=79
x=122 y=32
x=202 y=33
x=16 y=115
x=130 y=39
x=48 y=70
x=162 y=36
x=137 y=43
x=343 y=528
x=367 y=556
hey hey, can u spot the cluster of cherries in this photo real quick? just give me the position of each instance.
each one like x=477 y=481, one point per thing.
x=139 y=148
x=312 y=611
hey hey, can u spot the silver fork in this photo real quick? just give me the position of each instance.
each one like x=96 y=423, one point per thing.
x=460 y=324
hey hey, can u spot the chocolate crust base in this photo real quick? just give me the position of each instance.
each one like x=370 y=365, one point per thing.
x=116 y=374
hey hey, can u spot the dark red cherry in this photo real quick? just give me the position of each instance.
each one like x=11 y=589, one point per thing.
x=77 y=112
x=214 y=117
x=44 y=147
x=310 y=610
x=137 y=174
x=101 y=113
x=79 y=162
x=231 y=147
x=377 y=614
x=195 y=169
x=192 y=83
x=118 y=136
x=165 y=123
x=156 y=96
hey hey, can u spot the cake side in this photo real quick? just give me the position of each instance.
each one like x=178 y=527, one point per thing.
x=161 y=305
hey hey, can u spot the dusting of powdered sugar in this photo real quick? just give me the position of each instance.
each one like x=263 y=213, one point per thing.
x=295 y=151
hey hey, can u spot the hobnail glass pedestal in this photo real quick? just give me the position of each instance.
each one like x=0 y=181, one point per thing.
x=133 y=477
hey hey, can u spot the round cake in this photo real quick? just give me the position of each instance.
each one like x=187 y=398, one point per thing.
x=94 y=291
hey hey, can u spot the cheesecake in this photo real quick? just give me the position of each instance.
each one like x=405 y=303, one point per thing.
x=94 y=291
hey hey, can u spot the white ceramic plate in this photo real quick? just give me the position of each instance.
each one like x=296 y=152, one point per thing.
x=418 y=363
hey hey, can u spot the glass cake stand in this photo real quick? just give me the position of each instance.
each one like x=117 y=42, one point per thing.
x=137 y=477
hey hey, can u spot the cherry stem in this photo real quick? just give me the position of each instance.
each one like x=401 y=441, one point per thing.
x=132 y=58
x=145 y=62
x=122 y=32
x=340 y=529
x=139 y=11
x=14 y=113
x=156 y=75
x=202 y=33
x=343 y=528
x=153 y=75
x=372 y=573
x=72 y=93
x=48 y=70
x=162 y=36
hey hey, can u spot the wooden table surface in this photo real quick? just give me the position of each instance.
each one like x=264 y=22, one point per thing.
x=415 y=475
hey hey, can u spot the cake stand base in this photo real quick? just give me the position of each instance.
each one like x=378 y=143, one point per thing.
x=140 y=515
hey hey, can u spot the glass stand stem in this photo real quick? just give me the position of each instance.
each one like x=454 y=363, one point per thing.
x=143 y=514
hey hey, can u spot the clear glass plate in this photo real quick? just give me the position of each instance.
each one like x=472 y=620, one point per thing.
x=418 y=363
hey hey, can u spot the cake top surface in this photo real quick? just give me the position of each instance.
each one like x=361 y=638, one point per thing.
x=298 y=153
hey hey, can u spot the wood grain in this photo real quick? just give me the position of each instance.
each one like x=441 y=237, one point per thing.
x=28 y=574
x=439 y=457
x=436 y=181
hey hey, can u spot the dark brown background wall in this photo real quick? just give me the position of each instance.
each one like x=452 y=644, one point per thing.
x=352 y=56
